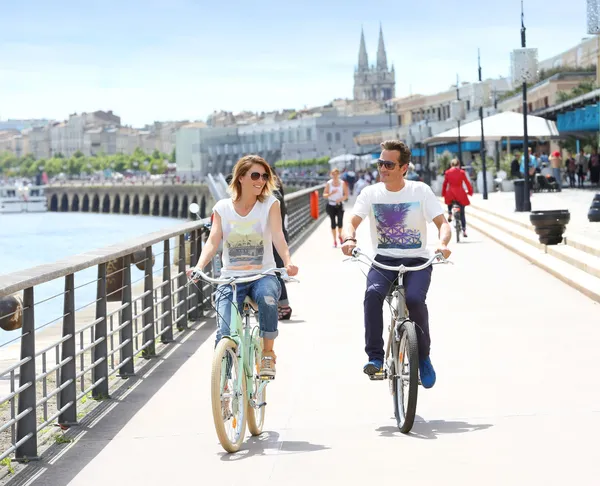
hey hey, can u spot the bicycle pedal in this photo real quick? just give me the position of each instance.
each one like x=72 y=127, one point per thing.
x=380 y=375
x=267 y=378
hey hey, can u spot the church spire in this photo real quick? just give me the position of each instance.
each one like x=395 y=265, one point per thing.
x=381 y=56
x=363 y=60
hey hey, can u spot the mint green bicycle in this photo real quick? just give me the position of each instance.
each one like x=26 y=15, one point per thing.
x=238 y=391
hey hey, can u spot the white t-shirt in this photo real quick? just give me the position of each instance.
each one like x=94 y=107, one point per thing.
x=247 y=240
x=399 y=219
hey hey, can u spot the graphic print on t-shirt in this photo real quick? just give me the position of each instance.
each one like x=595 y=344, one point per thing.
x=245 y=245
x=393 y=226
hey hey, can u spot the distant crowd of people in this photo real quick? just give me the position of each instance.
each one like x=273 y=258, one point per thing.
x=572 y=169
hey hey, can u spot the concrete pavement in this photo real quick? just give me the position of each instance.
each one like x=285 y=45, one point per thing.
x=517 y=399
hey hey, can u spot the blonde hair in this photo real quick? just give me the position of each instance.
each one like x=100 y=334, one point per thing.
x=334 y=170
x=241 y=168
x=455 y=163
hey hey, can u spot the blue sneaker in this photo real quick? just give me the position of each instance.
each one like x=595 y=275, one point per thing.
x=427 y=372
x=373 y=366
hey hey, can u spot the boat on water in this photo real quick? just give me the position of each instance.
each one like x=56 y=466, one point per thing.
x=23 y=199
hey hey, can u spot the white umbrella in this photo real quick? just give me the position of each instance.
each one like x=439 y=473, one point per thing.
x=496 y=127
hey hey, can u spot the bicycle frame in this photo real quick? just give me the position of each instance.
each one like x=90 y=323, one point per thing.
x=243 y=335
x=399 y=314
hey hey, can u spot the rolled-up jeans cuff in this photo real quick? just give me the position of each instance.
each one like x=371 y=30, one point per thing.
x=269 y=334
x=283 y=302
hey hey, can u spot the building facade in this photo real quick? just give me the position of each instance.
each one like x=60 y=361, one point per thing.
x=374 y=83
x=202 y=149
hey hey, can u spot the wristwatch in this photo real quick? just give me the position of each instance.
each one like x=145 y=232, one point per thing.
x=349 y=239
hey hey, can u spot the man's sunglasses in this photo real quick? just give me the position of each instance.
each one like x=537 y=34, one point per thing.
x=257 y=175
x=386 y=163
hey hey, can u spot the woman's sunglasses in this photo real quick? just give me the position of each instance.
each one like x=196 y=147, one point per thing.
x=257 y=175
x=385 y=163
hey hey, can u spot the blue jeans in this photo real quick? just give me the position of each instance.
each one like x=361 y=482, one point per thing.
x=265 y=292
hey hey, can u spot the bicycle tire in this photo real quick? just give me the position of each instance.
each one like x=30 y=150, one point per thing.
x=408 y=347
x=256 y=417
x=458 y=228
x=227 y=347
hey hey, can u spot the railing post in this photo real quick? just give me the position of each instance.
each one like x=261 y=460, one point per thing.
x=200 y=287
x=149 y=334
x=167 y=304
x=27 y=426
x=67 y=372
x=126 y=331
x=181 y=283
x=100 y=350
x=195 y=304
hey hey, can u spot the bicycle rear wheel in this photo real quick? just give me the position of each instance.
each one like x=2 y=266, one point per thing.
x=457 y=226
x=256 y=416
x=406 y=377
x=228 y=394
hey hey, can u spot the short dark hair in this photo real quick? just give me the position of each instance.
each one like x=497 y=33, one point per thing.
x=401 y=147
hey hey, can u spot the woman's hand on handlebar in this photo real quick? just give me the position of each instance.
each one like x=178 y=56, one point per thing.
x=189 y=273
x=292 y=270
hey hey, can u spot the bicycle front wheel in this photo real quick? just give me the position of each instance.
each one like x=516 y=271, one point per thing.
x=228 y=394
x=406 y=377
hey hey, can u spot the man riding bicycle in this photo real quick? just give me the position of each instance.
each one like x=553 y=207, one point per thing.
x=399 y=211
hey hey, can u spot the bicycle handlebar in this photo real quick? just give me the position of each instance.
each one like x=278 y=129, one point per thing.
x=356 y=253
x=199 y=274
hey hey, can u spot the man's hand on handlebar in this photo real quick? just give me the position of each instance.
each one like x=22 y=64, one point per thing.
x=348 y=246
x=444 y=250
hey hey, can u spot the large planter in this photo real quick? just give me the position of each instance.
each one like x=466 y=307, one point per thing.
x=550 y=225
x=594 y=212
x=489 y=180
x=507 y=185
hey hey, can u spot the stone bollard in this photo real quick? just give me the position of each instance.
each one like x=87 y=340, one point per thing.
x=11 y=313
x=550 y=225
x=594 y=212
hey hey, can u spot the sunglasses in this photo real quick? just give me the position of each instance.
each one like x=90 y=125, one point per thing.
x=257 y=175
x=386 y=163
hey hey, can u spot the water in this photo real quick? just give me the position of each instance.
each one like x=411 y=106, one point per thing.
x=31 y=239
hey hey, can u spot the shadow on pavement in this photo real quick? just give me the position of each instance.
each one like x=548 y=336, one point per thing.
x=431 y=430
x=268 y=443
x=60 y=464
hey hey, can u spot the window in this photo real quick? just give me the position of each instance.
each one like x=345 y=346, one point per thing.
x=338 y=137
x=468 y=105
x=546 y=102
x=308 y=135
x=329 y=138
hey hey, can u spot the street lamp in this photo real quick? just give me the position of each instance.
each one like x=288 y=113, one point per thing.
x=593 y=19
x=389 y=109
x=524 y=70
x=479 y=101
x=457 y=113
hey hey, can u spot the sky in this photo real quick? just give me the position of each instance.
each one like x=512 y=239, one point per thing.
x=159 y=60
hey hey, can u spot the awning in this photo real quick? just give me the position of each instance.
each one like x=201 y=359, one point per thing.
x=496 y=127
x=580 y=120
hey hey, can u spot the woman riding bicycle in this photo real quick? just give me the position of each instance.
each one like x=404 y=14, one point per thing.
x=249 y=224
x=453 y=191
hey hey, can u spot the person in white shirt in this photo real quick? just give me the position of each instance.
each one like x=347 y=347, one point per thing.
x=249 y=224
x=399 y=211
x=336 y=192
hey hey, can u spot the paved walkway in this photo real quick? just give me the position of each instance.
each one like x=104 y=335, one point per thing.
x=577 y=201
x=517 y=400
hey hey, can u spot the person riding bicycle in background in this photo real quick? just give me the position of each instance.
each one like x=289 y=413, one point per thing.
x=249 y=224
x=399 y=211
x=453 y=191
x=336 y=192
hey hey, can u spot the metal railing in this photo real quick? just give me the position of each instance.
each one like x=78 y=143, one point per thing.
x=135 y=298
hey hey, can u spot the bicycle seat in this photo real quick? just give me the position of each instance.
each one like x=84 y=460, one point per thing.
x=248 y=300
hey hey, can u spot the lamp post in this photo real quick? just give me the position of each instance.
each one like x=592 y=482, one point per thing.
x=524 y=67
x=458 y=122
x=593 y=19
x=479 y=101
x=389 y=110
x=457 y=114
